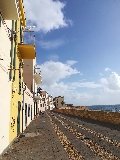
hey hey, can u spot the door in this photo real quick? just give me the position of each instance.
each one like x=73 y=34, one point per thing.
x=36 y=108
x=31 y=112
x=25 y=114
x=18 y=118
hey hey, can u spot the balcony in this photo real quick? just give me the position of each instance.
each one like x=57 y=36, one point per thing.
x=38 y=78
x=12 y=9
x=27 y=51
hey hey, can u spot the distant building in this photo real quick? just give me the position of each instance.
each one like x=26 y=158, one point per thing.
x=50 y=102
x=43 y=102
x=59 y=102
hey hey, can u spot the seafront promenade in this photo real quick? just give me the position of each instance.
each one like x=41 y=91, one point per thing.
x=57 y=136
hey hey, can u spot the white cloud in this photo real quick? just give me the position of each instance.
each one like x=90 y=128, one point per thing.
x=75 y=97
x=51 y=44
x=106 y=91
x=46 y=14
x=53 y=57
x=112 y=82
x=104 y=81
x=107 y=69
x=101 y=74
x=71 y=62
x=53 y=72
x=86 y=84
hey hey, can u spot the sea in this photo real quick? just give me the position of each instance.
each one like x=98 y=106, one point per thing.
x=109 y=108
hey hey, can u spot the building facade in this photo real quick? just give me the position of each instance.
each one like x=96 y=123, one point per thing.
x=27 y=110
x=18 y=100
x=43 y=102
x=5 y=85
x=31 y=79
x=59 y=102
x=12 y=22
x=50 y=102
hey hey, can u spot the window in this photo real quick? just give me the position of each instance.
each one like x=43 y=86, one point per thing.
x=14 y=62
x=29 y=110
x=19 y=82
x=10 y=72
x=43 y=99
x=11 y=55
x=21 y=37
x=40 y=105
x=0 y=21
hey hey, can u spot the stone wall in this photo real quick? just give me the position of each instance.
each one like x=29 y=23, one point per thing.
x=111 y=117
x=76 y=107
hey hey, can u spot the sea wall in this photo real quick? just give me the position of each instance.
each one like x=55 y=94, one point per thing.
x=111 y=117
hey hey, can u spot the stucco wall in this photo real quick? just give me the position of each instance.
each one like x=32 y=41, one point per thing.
x=111 y=117
x=28 y=101
x=28 y=73
x=5 y=87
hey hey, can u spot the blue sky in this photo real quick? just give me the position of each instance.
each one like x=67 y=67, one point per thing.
x=78 y=48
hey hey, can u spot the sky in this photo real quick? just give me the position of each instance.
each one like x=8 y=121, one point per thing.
x=78 y=49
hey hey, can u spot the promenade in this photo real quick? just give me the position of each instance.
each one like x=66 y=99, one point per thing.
x=56 y=136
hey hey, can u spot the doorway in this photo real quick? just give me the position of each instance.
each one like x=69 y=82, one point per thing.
x=31 y=112
x=25 y=114
x=18 y=118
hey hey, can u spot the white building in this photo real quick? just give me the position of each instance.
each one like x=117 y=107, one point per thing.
x=28 y=107
x=43 y=102
x=50 y=102
x=59 y=102
x=30 y=98
x=5 y=84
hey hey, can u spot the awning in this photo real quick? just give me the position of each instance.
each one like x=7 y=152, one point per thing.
x=27 y=51
x=38 y=78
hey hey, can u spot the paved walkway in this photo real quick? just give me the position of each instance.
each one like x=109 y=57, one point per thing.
x=39 y=142
x=56 y=136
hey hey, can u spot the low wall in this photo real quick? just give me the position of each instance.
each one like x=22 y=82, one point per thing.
x=111 y=117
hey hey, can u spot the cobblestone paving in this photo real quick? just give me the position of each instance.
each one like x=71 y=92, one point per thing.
x=39 y=143
x=94 y=136
x=56 y=136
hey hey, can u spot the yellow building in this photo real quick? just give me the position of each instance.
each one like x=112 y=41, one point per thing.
x=19 y=51
x=12 y=22
x=15 y=73
x=12 y=53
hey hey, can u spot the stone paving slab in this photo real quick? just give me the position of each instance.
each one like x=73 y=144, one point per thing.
x=39 y=142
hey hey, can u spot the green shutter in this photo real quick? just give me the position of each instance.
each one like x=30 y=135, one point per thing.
x=14 y=62
x=16 y=25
